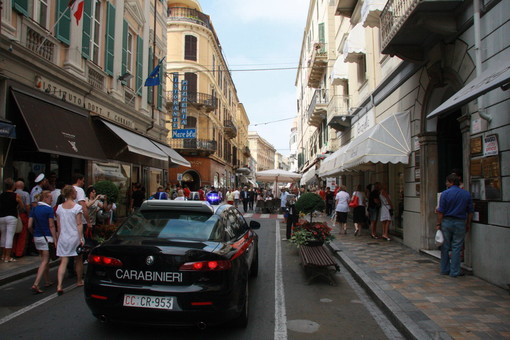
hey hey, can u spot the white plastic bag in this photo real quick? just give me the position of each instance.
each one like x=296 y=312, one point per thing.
x=439 y=238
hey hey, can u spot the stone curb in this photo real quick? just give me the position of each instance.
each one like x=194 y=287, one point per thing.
x=23 y=272
x=398 y=317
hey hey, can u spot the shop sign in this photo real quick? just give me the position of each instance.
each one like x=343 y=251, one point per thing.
x=184 y=133
x=179 y=177
x=490 y=144
x=175 y=101
x=476 y=146
x=364 y=123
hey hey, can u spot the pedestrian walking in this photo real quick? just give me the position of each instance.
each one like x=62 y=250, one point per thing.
x=42 y=225
x=292 y=215
x=386 y=211
x=70 y=236
x=251 y=199
x=237 y=195
x=342 y=208
x=21 y=239
x=374 y=203
x=10 y=202
x=330 y=201
x=245 y=198
x=358 y=213
x=454 y=216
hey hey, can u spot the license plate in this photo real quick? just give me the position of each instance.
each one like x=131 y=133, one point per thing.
x=144 y=301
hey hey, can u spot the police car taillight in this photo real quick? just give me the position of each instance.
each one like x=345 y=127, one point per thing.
x=206 y=266
x=104 y=261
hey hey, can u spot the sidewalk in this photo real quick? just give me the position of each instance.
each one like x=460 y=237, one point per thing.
x=24 y=266
x=419 y=301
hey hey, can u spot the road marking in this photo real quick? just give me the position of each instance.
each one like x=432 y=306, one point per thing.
x=280 y=324
x=32 y=306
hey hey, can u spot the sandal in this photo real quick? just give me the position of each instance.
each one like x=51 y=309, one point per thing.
x=36 y=290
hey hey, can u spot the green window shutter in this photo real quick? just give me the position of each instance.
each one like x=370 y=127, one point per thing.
x=87 y=27
x=124 y=47
x=139 y=65
x=21 y=6
x=322 y=37
x=110 y=39
x=63 y=26
x=151 y=67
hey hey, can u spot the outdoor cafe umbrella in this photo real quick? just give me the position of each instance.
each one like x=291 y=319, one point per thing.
x=277 y=176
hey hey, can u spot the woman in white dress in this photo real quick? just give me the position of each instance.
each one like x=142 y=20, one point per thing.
x=385 y=218
x=70 y=236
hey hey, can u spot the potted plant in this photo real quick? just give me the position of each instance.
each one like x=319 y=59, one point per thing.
x=311 y=234
x=107 y=188
x=310 y=202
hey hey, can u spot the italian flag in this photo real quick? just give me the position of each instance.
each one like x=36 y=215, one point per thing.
x=76 y=7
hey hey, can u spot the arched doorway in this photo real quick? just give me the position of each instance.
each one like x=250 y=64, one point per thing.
x=191 y=178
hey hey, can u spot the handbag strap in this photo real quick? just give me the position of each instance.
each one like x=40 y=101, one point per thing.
x=46 y=239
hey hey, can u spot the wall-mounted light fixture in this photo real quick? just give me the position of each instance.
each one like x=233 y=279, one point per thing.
x=125 y=77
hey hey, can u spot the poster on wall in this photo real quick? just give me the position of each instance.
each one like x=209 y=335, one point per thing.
x=490 y=145
x=331 y=183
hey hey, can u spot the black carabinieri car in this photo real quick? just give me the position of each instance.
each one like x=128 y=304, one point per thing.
x=175 y=263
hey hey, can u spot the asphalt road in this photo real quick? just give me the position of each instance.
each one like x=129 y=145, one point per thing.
x=282 y=306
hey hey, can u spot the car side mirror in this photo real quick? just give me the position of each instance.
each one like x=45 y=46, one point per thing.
x=254 y=225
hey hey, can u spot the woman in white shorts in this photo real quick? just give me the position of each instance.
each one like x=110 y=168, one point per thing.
x=41 y=224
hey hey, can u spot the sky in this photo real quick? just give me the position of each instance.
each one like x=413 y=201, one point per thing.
x=260 y=35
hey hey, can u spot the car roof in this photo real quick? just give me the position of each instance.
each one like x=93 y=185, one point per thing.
x=195 y=206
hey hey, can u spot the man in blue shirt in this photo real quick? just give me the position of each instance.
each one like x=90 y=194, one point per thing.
x=454 y=219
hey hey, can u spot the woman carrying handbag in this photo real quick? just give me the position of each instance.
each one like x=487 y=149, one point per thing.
x=358 y=203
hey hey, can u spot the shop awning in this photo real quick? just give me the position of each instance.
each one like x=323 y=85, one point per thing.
x=340 y=72
x=333 y=164
x=7 y=130
x=387 y=142
x=498 y=74
x=371 y=11
x=137 y=143
x=354 y=45
x=309 y=177
x=174 y=158
x=57 y=128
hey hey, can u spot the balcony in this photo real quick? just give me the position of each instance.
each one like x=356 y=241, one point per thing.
x=229 y=128
x=345 y=7
x=191 y=15
x=193 y=146
x=201 y=101
x=410 y=27
x=317 y=109
x=317 y=64
x=339 y=117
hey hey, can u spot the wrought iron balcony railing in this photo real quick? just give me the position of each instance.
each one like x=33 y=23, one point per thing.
x=317 y=63
x=230 y=128
x=199 y=100
x=318 y=107
x=194 y=145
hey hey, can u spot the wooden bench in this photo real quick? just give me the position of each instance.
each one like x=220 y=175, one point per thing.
x=317 y=261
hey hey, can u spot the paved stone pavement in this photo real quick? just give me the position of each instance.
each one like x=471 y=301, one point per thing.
x=420 y=302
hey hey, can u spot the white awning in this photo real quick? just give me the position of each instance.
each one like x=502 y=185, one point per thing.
x=137 y=143
x=371 y=11
x=387 y=142
x=309 y=176
x=174 y=158
x=354 y=45
x=340 y=71
x=333 y=164
x=496 y=75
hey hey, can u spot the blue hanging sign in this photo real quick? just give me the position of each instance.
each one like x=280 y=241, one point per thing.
x=184 y=133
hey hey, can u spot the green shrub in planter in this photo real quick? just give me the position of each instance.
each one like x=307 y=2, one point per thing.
x=310 y=202
x=107 y=188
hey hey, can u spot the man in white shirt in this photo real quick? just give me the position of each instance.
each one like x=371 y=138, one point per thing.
x=79 y=182
x=41 y=181
x=237 y=194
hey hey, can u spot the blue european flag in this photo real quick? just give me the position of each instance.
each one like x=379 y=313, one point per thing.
x=153 y=78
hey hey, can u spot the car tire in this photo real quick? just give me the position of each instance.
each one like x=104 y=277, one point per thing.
x=254 y=269
x=242 y=320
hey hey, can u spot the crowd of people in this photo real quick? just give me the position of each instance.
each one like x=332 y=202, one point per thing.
x=53 y=214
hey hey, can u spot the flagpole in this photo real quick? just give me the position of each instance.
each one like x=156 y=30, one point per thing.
x=52 y=29
x=154 y=60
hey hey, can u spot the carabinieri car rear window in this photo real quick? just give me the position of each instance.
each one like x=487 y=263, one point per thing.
x=186 y=225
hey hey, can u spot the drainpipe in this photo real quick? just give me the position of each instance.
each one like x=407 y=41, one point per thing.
x=478 y=57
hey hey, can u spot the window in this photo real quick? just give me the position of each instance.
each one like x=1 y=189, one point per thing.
x=95 y=42
x=362 y=69
x=190 y=48
x=41 y=12
x=192 y=85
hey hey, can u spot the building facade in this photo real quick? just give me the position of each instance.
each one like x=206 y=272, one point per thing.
x=419 y=102
x=202 y=98
x=72 y=84
x=262 y=151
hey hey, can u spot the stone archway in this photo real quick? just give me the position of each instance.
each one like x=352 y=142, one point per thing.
x=191 y=178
